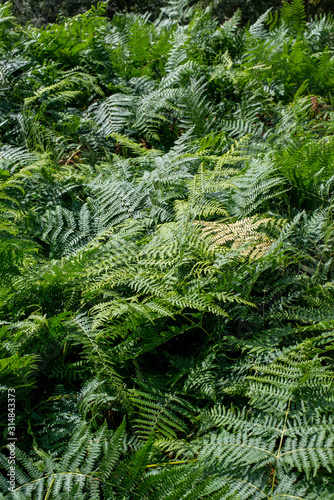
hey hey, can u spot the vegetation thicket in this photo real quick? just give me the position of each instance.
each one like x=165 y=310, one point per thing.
x=166 y=256
x=42 y=12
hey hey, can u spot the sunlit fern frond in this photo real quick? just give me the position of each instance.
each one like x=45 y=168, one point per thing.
x=246 y=234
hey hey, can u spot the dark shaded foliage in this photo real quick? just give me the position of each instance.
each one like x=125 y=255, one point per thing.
x=41 y=12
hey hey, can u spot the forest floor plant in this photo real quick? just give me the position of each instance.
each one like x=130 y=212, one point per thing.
x=166 y=256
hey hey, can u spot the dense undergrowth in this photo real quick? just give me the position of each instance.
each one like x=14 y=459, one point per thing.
x=166 y=252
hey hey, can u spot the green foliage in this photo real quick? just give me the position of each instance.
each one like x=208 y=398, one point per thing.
x=166 y=255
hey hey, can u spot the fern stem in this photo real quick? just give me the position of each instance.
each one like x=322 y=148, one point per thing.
x=49 y=489
x=280 y=446
x=172 y=463
x=196 y=325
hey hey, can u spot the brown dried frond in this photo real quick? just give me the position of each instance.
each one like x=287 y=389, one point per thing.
x=314 y=104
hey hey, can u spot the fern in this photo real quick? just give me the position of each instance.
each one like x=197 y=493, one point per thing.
x=276 y=435
x=166 y=225
x=77 y=473
x=160 y=413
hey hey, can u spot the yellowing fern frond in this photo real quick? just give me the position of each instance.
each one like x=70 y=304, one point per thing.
x=245 y=234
